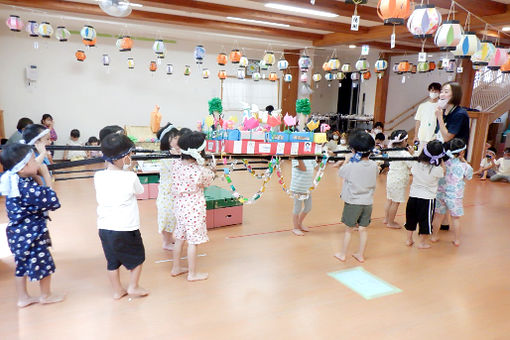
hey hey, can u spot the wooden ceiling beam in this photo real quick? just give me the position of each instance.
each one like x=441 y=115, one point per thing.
x=374 y=33
x=385 y=46
x=147 y=17
x=480 y=8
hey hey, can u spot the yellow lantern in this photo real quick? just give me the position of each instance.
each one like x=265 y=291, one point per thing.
x=269 y=58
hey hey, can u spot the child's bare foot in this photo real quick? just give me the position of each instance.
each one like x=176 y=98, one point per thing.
x=423 y=246
x=179 y=271
x=456 y=243
x=305 y=229
x=359 y=258
x=46 y=300
x=137 y=291
x=385 y=221
x=198 y=277
x=340 y=257
x=298 y=232
x=394 y=225
x=483 y=178
x=27 y=301
x=409 y=243
x=169 y=247
x=434 y=239
x=120 y=294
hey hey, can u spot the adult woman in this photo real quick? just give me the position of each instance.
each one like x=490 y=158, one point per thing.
x=452 y=120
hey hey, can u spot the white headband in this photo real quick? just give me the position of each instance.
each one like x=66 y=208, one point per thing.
x=195 y=153
x=36 y=138
x=450 y=153
x=397 y=139
x=167 y=130
x=10 y=179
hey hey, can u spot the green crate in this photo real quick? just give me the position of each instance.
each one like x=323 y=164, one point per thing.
x=153 y=178
x=144 y=179
x=216 y=197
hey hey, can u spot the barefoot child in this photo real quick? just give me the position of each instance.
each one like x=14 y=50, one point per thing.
x=487 y=164
x=451 y=188
x=503 y=168
x=118 y=218
x=427 y=172
x=189 y=177
x=360 y=175
x=27 y=234
x=397 y=179
x=302 y=180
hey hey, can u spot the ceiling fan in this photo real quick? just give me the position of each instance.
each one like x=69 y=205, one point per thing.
x=117 y=8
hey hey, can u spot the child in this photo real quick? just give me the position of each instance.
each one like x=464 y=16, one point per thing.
x=118 y=218
x=189 y=177
x=47 y=121
x=427 y=172
x=487 y=164
x=360 y=175
x=93 y=141
x=26 y=204
x=503 y=165
x=35 y=134
x=74 y=155
x=397 y=179
x=451 y=188
x=302 y=180
x=379 y=140
x=108 y=130
x=168 y=136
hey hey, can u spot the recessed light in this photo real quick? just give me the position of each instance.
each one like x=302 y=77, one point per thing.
x=352 y=46
x=506 y=29
x=258 y=22
x=301 y=10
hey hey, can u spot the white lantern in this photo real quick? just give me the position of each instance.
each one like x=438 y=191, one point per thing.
x=362 y=65
x=269 y=58
x=62 y=34
x=484 y=54
x=255 y=76
x=355 y=76
x=468 y=45
x=381 y=65
x=304 y=63
x=303 y=77
x=45 y=30
x=448 y=35
x=287 y=78
x=263 y=65
x=346 y=68
x=241 y=74
x=206 y=73
x=169 y=69
x=317 y=77
x=131 y=63
x=14 y=23
x=340 y=76
x=106 y=60
x=334 y=64
x=243 y=62
x=88 y=33
x=158 y=47
x=329 y=76
x=424 y=21
x=199 y=54
x=283 y=64
x=499 y=59
x=32 y=28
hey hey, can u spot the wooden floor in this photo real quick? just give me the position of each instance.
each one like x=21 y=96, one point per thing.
x=266 y=283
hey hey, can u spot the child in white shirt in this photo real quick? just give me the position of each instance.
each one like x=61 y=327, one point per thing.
x=74 y=140
x=503 y=165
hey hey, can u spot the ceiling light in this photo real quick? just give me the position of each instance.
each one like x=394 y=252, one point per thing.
x=352 y=46
x=506 y=29
x=258 y=22
x=130 y=4
x=301 y=10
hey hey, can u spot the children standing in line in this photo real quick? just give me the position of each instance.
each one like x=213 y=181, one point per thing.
x=74 y=140
x=189 y=177
x=397 y=179
x=302 y=180
x=450 y=192
x=503 y=165
x=427 y=172
x=118 y=218
x=27 y=234
x=360 y=175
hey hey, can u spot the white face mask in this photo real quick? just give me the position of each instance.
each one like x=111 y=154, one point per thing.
x=343 y=141
x=433 y=95
x=442 y=103
x=335 y=137
x=127 y=166
x=376 y=131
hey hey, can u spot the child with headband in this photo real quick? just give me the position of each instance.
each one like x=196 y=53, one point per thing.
x=118 y=218
x=27 y=234
x=189 y=177
x=427 y=172
x=450 y=192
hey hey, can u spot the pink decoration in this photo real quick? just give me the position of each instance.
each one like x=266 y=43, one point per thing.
x=228 y=125
x=250 y=124
x=325 y=127
x=289 y=120
x=273 y=121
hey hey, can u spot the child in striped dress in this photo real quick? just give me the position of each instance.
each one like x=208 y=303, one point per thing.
x=302 y=180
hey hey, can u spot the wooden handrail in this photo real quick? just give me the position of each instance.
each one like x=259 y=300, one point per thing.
x=406 y=111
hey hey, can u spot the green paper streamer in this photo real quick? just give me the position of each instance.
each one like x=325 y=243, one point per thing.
x=303 y=106
x=215 y=105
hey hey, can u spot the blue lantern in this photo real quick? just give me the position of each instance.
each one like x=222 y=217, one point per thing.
x=199 y=54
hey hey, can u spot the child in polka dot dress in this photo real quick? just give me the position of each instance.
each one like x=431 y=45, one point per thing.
x=27 y=202
x=189 y=177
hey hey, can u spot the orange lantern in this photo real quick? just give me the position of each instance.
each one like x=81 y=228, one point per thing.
x=125 y=43
x=235 y=56
x=394 y=12
x=326 y=67
x=80 y=55
x=404 y=66
x=432 y=66
x=153 y=66
x=505 y=68
x=273 y=76
x=89 y=43
x=367 y=75
x=222 y=59
x=222 y=74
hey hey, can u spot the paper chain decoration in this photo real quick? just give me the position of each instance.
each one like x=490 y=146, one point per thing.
x=267 y=176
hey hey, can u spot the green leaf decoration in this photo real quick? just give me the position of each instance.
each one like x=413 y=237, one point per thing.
x=215 y=105
x=450 y=36
x=303 y=106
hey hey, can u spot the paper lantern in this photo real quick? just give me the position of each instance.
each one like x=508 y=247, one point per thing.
x=484 y=54
x=499 y=59
x=235 y=56
x=106 y=60
x=124 y=43
x=62 y=34
x=362 y=65
x=440 y=65
x=334 y=64
x=423 y=67
x=340 y=76
x=448 y=35
x=317 y=77
x=91 y=43
x=303 y=77
x=346 y=68
x=354 y=76
x=241 y=73
x=80 y=55
x=432 y=66
x=199 y=54
x=161 y=56
x=404 y=66
x=45 y=29
x=88 y=33
x=326 y=67
x=243 y=62
x=153 y=66
x=255 y=76
x=329 y=76
x=304 y=63
x=222 y=74
x=468 y=45
x=14 y=23
x=414 y=69
x=287 y=78
x=367 y=75
x=381 y=65
x=187 y=70
x=263 y=66
x=169 y=69
x=395 y=68
x=394 y=12
x=273 y=76
x=158 y=47
x=283 y=64
x=32 y=28
x=269 y=58
x=222 y=59
x=505 y=68
x=206 y=73
x=424 y=21
x=130 y=63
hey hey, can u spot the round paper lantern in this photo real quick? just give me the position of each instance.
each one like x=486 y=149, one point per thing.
x=381 y=65
x=484 y=54
x=354 y=76
x=394 y=12
x=362 y=65
x=91 y=43
x=222 y=74
x=283 y=64
x=404 y=66
x=199 y=54
x=304 y=63
x=432 y=66
x=206 y=73
x=448 y=35
x=326 y=67
x=62 y=34
x=395 y=68
x=440 y=65
x=45 y=29
x=468 y=45
x=158 y=47
x=153 y=66
x=32 y=28
x=88 y=33
x=287 y=78
x=80 y=55
x=505 y=68
x=125 y=43
x=187 y=70
x=243 y=62
x=424 y=21
x=334 y=64
x=317 y=77
x=423 y=67
x=346 y=68
x=263 y=66
x=367 y=75
x=340 y=76
x=499 y=59
x=273 y=76
x=14 y=23
x=241 y=73
x=130 y=63
x=329 y=76
x=221 y=59
x=106 y=60
x=269 y=58
x=235 y=56
x=255 y=76
x=169 y=69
